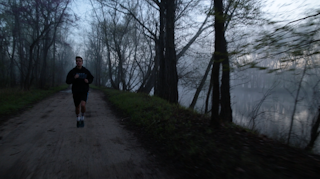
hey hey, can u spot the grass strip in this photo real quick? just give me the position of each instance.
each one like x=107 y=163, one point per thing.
x=14 y=100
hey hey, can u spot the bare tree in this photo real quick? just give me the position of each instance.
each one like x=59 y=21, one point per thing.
x=126 y=47
x=156 y=32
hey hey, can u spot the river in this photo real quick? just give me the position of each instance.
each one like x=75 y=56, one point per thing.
x=273 y=118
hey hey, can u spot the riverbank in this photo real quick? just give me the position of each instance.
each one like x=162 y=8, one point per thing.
x=183 y=140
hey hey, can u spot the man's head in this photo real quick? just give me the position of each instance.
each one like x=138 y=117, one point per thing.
x=79 y=61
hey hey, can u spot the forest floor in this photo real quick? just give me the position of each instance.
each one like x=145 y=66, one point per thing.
x=44 y=142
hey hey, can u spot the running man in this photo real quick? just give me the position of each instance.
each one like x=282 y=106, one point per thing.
x=80 y=78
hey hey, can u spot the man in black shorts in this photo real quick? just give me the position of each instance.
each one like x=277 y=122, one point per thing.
x=80 y=78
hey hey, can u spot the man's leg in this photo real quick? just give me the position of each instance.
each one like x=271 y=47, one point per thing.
x=83 y=107
x=77 y=101
x=83 y=110
x=84 y=98
x=78 y=110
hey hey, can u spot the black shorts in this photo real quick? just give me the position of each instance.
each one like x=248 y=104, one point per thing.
x=78 y=97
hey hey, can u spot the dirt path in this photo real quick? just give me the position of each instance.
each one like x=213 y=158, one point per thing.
x=44 y=142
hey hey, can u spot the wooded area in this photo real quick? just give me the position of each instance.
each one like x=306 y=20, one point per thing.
x=160 y=47
x=33 y=46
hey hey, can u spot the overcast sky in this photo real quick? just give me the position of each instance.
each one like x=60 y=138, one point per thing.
x=284 y=10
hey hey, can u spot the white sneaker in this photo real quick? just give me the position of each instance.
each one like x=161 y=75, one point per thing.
x=82 y=118
x=78 y=118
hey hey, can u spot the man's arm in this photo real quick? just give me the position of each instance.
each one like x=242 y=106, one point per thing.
x=70 y=78
x=90 y=77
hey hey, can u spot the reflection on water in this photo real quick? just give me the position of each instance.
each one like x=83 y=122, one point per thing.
x=273 y=118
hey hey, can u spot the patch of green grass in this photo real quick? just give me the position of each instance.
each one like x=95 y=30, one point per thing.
x=143 y=109
x=14 y=100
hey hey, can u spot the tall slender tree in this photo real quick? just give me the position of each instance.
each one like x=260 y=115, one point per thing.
x=168 y=78
x=221 y=96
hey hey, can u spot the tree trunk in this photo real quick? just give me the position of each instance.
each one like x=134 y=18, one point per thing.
x=221 y=57
x=37 y=63
x=53 y=59
x=170 y=55
x=226 y=111
x=113 y=84
x=168 y=67
x=216 y=92
x=21 y=60
x=204 y=78
x=160 y=81
x=43 y=74
x=121 y=73
x=12 y=71
x=148 y=81
x=26 y=85
x=208 y=97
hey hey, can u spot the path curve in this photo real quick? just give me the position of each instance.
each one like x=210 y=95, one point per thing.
x=44 y=142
